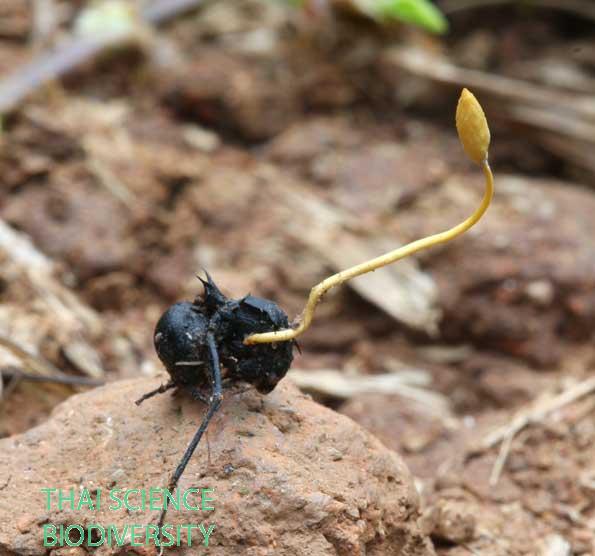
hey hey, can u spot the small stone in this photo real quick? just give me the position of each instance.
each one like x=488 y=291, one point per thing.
x=555 y=545
x=449 y=520
x=201 y=138
x=118 y=475
x=541 y=292
x=25 y=523
x=336 y=455
x=69 y=551
x=353 y=512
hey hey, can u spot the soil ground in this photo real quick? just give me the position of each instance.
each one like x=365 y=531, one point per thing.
x=272 y=147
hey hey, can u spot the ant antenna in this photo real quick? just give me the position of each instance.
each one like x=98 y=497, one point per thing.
x=474 y=135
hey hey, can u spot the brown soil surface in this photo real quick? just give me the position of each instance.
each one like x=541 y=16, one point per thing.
x=273 y=147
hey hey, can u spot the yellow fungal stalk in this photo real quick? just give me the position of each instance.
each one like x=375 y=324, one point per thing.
x=474 y=135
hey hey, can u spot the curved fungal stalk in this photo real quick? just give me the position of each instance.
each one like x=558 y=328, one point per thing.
x=474 y=135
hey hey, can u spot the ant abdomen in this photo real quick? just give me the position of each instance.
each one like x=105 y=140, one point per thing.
x=180 y=343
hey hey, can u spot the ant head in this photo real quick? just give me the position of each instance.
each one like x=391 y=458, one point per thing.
x=212 y=298
x=179 y=338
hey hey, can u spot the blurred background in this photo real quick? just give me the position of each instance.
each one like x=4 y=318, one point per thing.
x=274 y=142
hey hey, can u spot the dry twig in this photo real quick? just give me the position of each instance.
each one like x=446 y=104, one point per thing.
x=70 y=380
x=38 y=365
x=78 y=50
x=541 y=410
x=562 y=122
x=408 y=384
x=582 y=8
x=66 y=307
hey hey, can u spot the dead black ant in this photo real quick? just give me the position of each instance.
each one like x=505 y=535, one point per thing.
x=251 y=337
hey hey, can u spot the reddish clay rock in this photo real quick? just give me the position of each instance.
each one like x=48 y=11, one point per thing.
x=289 y=476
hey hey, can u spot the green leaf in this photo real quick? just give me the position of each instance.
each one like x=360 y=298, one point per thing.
x=421 y=13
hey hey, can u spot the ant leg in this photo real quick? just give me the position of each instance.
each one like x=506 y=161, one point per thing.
x=162 y=389
x=214 y=403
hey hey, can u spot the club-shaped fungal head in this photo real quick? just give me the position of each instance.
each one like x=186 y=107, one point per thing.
x=472 y=127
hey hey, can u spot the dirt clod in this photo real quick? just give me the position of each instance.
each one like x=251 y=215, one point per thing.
x=302 y=498
x=450 y=521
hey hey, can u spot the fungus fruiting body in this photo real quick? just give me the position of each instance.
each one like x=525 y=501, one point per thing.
x=215 y=342
x=474 y=135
